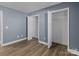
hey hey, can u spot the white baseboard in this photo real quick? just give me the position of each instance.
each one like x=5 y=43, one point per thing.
x=73 y=51
x=29 y=38
x=43 y=42
x=19 y=40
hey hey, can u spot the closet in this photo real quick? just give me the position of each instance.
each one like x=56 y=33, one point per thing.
x=32 y=27
x=58 y=27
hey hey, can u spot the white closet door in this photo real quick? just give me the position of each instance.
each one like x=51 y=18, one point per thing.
x=30 y=27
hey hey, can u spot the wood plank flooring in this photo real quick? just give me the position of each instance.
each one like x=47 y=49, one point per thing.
x=33 y=48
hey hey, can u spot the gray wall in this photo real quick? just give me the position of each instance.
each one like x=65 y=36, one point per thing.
x=16 y=22
x=36 y=26
x=73 y=22
x=42 y=28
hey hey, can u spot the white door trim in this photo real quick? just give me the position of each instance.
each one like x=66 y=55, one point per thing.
x=38 y=25
x=28 y=28
x=43 y=42
x=1 y=42
x=59 y=10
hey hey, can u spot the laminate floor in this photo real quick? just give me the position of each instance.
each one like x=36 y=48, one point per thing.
x=33 y=48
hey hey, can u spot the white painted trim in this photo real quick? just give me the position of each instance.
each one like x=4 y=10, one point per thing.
x=38 y=27
x=73 y=51
x=34 y=15
x=29 y=38
x=28 y=29
x=1 y=28
x=27 y=26
x=43 y=42
x=59 y=10
x=19 y=40
x=68 y=28
x=49 y=30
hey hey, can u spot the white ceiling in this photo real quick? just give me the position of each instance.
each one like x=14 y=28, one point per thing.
x=27 y=6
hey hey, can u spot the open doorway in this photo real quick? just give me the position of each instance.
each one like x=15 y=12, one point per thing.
x=33 y=26
x=58 y=27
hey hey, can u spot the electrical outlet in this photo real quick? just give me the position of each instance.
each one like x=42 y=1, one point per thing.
x=21 y=35
x=76 y=49
x=18 y=36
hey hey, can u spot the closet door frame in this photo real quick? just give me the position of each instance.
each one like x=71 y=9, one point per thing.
x=38 y=24
x=49 y=24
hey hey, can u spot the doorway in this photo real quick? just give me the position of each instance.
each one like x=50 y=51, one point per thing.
x=58 y=27
x=33 y=27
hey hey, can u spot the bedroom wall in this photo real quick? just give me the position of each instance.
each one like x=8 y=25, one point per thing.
x=16 y=23
x=73 y=22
